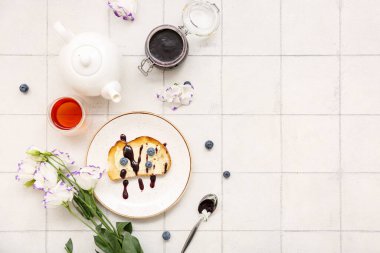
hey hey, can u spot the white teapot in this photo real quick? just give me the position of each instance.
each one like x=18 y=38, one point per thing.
x=90 y=64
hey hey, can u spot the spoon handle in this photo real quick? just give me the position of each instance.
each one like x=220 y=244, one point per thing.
x=191 y=235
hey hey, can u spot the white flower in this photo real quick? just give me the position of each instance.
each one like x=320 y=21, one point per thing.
x=60 y=194
x=64 y=157
x=177 y=94
x=126 y=9
x=35 y=154
x=26 y=170
x=87 y=177
x=46 y=177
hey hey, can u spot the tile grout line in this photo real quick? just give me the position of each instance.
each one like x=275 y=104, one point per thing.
x=218 y=55
x=340 y=125
x=281 y=136
x=47 y=101
x=213 y=114
x=162 y=111
x=221 y=127
x=274 y=172
x=109 y=36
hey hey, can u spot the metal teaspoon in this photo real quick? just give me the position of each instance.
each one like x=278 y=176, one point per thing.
x=208 y=203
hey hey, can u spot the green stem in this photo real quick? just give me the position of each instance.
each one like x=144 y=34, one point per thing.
x=103 y=215
x=76 y=216
x=96 y=214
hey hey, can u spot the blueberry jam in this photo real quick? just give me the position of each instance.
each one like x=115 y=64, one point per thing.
x=166 y=45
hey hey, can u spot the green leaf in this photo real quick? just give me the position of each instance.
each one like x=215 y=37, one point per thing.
x=122 y=227
x=103 y=245
x=69 y=246
x=99 y=228
x=128 y=246
x=137 y=245
x=29 y=183
x=113 y=240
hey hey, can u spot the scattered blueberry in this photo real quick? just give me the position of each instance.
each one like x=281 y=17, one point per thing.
x=209 y=144
x=151 y=151
x=148 y=164
x=24 y=88
x=226 y=174
x=123 y=161
x=166 y=235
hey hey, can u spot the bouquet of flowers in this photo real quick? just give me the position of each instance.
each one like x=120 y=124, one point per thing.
x=66 y=185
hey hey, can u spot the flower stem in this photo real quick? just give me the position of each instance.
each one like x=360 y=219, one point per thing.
x=76 y=216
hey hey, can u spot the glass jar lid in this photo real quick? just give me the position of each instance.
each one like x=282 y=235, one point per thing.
x=201 y=17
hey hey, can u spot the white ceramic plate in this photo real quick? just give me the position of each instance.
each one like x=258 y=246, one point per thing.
x=169 y=187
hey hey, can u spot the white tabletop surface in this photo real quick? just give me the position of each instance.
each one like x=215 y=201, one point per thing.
x=288 y=90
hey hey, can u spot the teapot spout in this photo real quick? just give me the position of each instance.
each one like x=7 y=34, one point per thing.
x=112 y=91
x=65 y=34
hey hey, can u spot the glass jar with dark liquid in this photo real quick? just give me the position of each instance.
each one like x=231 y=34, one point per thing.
x=166 y=46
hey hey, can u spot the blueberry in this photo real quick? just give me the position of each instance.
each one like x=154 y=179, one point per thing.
x=226 y=174
x=148 y=164
x=209 y=144
x=166 y=235
x=24 y=88
x=123 y=161
x=151 y=151
x=187 y=83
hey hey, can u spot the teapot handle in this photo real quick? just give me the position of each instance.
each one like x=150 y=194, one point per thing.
x=65 y=34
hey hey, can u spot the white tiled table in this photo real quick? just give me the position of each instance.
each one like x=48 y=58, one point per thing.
x=289 y=91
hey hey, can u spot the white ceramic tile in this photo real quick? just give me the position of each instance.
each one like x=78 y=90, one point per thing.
x=15 y=242
x=209 y=45
x=251 y=202
x=58 y=88
x=139 y=92
x=83 y=241
x=77 y=16
x=23 y=137
x=204 y=73
x=251 y=85
x=203 y=160
x=131 y=36
x=150 y=241
x=310 y=143
x=310 y=202
x=310 y=85
x=311 y=242
x=253 y=242
x=61 y=219
x=203 y=241
x=360 y=205
x=251 y=27
x=251 y=143
x=150 y=224
x=360 y=89
x=26 y=18
x=16 y=70
x=304 y=31
x=360 y=145
x=20 y=207
x=76 y=145
x=185 y=214
x=360 y=26
x=354 y=242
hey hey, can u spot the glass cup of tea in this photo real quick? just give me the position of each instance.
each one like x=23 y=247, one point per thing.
x=67 y=115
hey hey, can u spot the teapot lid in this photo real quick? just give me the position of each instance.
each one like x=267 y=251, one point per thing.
x=86 y=60
x=201 y=17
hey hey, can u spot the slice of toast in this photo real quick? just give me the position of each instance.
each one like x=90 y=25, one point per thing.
x=161 y=161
